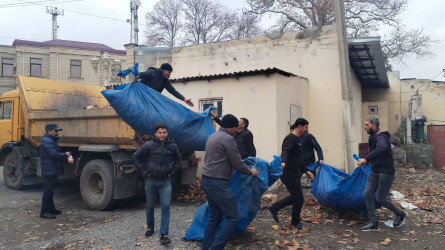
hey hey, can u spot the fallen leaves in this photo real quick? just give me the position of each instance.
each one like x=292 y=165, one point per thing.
x=386 y=242
x=31 y=239
x=45 y=246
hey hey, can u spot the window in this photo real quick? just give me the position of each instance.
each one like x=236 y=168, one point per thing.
x=36 y=67
x=216 y=102
x=114 y=71
x=6 y=110
x=75 y=69
x=7 y=67
x=373 y=109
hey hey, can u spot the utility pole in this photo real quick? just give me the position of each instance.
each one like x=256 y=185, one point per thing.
x=54 y=13
x=134 y=30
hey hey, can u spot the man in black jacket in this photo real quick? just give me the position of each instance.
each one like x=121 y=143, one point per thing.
x=158 y=79
x=244 y=139
x=162 y=160
x=51 y=164
x=293 y=167
x=382 y=175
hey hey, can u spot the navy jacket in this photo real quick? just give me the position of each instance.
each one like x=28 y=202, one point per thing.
x=153 y=79
x=380 y=156
x=244 y=141
x=292 y=155
x=308 y=143
x=51 y=160
x=160 y=159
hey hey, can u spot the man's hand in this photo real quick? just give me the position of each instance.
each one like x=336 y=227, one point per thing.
x=321 y=161
x=189 y=102
x=254 y=172
x=68 y=154
x=309 y=175
x=283 y=165
x=361 y=161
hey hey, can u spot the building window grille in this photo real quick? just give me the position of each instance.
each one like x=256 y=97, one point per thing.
x=35 y=67
x=7 y=67
x=75 y=69
x=212 y=102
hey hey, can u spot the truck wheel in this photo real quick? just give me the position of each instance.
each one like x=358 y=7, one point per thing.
x=11 y=172
x=97 y=184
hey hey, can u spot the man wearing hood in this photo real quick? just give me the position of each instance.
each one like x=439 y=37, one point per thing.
x=162 y=161
x=382 y=175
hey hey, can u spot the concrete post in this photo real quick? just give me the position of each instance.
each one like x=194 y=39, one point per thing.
x=346 y=86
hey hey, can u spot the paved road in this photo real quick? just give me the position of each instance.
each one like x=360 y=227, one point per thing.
x=80 y=228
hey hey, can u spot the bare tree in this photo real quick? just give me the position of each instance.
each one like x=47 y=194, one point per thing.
x=164 y=24
x=363 y=18
x=206 y=21
x=246 y=26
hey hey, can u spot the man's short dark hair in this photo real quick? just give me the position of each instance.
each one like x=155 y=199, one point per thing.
x=374 y=121
x=160 y=125
x=301 y=121
x=292 y=127
x=246 y=122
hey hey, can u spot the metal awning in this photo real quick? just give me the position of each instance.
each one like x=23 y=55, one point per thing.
x=366 y=59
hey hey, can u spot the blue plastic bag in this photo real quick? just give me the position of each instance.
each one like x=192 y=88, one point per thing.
x=142 y=108
x=247 y=191
x=339 y=190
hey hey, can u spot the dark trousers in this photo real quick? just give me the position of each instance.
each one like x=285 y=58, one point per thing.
x=292 y=180
x=379 y=184
x=48 y=192
x=221 y=203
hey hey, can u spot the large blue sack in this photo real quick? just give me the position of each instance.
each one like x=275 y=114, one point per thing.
x=247 y=191
x=142 y=108
x=339 y=190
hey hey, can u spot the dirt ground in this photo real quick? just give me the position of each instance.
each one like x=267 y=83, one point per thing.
x=328 y=229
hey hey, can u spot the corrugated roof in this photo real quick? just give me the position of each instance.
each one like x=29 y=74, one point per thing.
x=69 y=44
x=366 y=59
x=238 y=74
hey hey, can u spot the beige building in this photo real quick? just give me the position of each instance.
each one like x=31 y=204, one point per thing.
x=58 y=60
x=314 y=91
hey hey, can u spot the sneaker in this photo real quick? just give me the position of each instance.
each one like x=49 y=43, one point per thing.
x=274 y=213
x=299 y=226
x=55 y=211
x=398 y=221
x=165 y=239
x=47 y=215
x=149 y=233
x=372 y=226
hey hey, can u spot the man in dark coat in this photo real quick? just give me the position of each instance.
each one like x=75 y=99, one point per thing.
x=382 y=175
x=163 y=160
x=158 y=79
x=244 y=139
x=51 y=163
x=293 y=167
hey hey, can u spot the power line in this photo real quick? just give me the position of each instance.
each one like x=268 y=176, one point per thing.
x=25 y=3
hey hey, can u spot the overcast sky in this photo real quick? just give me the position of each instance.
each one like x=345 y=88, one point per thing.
x=104 y=21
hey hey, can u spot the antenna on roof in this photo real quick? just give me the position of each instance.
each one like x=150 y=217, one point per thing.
x=134 y=5
x=54 y=12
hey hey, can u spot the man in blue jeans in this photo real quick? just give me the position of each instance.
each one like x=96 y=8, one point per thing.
x=51 y=164
x=162 y=160
x=222 y=157
x=382 y=175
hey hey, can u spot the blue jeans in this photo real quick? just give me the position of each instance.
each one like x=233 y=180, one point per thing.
x=48 y=193
x=221 y=203
x=164 y=189
x=379 y=184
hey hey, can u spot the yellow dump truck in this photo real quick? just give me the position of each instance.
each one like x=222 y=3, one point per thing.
x=100 y=141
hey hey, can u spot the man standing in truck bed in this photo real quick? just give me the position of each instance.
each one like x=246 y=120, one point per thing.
x=163 y=160
x=158 y=79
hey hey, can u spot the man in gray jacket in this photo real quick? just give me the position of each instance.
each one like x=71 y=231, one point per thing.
x=221 y=159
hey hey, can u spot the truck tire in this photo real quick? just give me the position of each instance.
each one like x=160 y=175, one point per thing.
x=97 y=184
x=11 y=172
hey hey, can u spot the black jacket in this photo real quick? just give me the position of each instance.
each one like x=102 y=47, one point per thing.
x=308 y=143
x=380 y=156
x=291 y=154
x=244 y=141
x=51 y=160
x=153 y=79
x=160 y=159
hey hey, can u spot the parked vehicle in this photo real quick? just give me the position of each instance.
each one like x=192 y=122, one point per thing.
x=100 y=141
